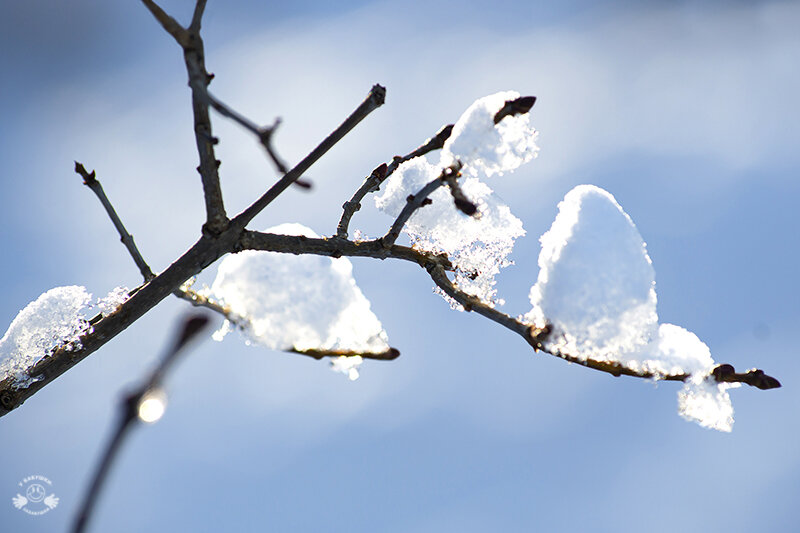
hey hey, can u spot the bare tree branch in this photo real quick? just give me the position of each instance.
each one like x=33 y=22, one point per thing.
x=374 y=100
x=336 y=247
x=91 y=181
x=383 y=171
x=537 y=338
x=264 y=134
x=199 y=78
x=178 y=32
x=354 y=204
x=129 y=415
x=463 y=204
x=434 y=143
x=389 y=355
x=197 y=16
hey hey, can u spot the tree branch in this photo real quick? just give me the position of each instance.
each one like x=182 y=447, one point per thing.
x=129 y=415
x=434 y=143
x=383 y=171
x=389 y=355
x=204 y=252
x=374 y=100
x=91 y=181
x=264 y=134
x=178 y=32
x=354 y=204
x=199 y=78
x=537 y=338
x=336 y=247
x=414 y=202
x=197 y=16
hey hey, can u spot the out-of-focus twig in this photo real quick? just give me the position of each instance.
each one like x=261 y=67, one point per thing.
x=129 y=416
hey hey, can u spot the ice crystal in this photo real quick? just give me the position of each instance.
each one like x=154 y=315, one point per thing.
x=54 y=319
x=113 y=300
x=479 y=245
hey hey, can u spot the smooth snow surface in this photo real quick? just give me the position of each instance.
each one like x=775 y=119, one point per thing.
x=302 y=302
x=596 y=283
x=596 y=288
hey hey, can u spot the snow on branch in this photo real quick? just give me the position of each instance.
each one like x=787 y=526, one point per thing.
x=596 y=292
x=476 y=230
x=304 y=304
x=593 y=304
x=56 y=319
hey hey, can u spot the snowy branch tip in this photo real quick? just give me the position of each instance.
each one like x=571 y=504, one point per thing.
x=596 y=291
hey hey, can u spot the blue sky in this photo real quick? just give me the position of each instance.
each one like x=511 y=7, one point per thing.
x=686 y=112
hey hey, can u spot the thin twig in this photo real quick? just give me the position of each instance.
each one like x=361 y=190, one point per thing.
x=463 y=204
x=537 y=338
x=199 y=78
x=374 y=100
x=354 y=204
x=129 y=416
x=197 y=16
x=178 y=32
x=91 y=181
x=517 y=106
x=336 y=247
x=389 y=355
x=383 y=171
x=434 y=143
x=416 y=201
x=264 y=134
x=199 y=300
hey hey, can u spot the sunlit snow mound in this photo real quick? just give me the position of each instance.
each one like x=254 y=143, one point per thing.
x=299 y=302
x=596 y=289
x=56 y=318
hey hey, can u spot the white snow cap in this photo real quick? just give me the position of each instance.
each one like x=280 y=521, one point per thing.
x=478 y=246
x=55 y=318
x=484 y=147
x=596 y=283
x=298 y=302
x=596 y=288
